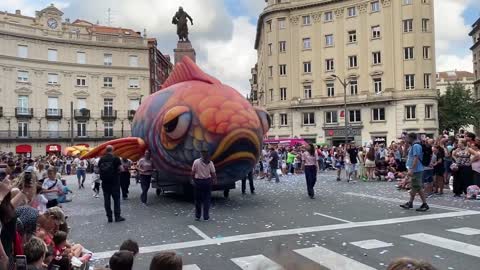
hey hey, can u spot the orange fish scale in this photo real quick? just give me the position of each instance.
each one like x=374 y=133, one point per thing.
x=232 y=106
x=239 y=119
x=233 y=126
x=223 y=116
x=207 y=117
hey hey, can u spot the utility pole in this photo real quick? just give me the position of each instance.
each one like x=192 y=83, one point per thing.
x=71 y=122
x=344 y=83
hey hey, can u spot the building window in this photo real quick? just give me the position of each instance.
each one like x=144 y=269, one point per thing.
x=22 y=103
x=425 y=25
x=52 y=108
x=81 y=103
x=307 y=67
x=328 y=16
x=282 y=23
x=378 y=114
x=329 y=65
x=329 y=40
x=407 y=25
x=283 y=119
x=307 y=92
x=331 y=117
x=107 y=59
x=108 y=129
x=427 y=77
x=352 y=11
x=22 y=76
x=375 y=6
x=81 y=129
x=353 y=87
x=133 y=61
x=377 y=85
x=269 y=26
x=330 y=89
x=270 y=71
x=428 y=111
x=22 y=51
x=52 y=78
x=352 y=61
x=355 y=116
x=309 y=119
x=107 y=82
x=352 y=36
x=52 y=55
x=108 y=106
x=377 y=58
x=81 y=58
x=22 y=130
x=81 y=81
x=271 y=95
x=269 y=48
x=133 y=83
x=306 y=44
x=376 y=32
x=283 y=93
x=408 y=53
x=306 y=20
x=409 y=81
x=282 y=45
x=426 y=52
x=410 y=112
x=407 y=2
x=283 y=70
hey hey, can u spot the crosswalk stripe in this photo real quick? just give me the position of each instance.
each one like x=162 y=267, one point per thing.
x=191 y=267
x=371 y=244
x=445 y=243
x=330 y=259
x=256 y=262
x=465 y=231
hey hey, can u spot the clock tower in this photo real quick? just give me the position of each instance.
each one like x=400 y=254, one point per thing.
x=50 y=18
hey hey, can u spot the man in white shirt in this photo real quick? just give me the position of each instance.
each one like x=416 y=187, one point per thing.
x=52 y=187
x=81 y=166
x=203 y=176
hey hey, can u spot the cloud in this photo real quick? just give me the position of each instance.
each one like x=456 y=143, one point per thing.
x=447 y=62
x=254 y=7
x=232 y=61
x=450 y=26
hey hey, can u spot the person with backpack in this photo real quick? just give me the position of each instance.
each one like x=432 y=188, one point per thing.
x=415 y=172
x=427 y=178
x=109 y=167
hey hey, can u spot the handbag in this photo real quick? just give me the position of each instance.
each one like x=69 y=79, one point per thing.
x=454 y=167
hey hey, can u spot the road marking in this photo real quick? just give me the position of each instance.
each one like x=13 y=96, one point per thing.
x=445 y=243
x=277 y=233
x=330 y=259
x=465 y=231
x=371 y=244
x=256 y=262
x=199 y=232
x=191 y=267
x=401 y=201
x=339 y=219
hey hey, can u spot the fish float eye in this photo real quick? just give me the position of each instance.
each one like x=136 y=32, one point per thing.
x=265 y=119
x=177 y=122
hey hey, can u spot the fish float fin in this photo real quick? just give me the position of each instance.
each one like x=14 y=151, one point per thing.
x=187 y=70
x=131 y=148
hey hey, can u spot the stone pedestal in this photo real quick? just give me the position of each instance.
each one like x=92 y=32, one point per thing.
x=184 y=48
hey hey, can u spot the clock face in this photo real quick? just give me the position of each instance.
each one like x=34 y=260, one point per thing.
x=52 y=23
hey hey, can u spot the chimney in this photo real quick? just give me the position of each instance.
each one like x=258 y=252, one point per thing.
x=18 y=12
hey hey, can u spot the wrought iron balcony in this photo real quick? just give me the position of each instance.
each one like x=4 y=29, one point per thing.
x=81 y=114
x=53 y=114
x=109 y=115
x=131 y=114
x=21 y=112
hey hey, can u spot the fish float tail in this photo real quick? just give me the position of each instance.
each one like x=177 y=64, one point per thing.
x=129 y=148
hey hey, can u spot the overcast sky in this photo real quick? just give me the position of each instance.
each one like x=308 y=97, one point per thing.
x=224 y=30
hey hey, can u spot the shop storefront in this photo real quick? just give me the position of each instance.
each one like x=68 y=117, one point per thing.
x=24 y=149
x=53 y=149
x=336 y=136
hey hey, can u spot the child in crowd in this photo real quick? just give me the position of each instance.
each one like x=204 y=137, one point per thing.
x=40 y=201
x=166 y=260
x=131 y=246
x=410 y=264
x=96 y=179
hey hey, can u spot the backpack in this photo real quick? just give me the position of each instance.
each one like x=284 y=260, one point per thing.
x=427 y=154
x=105 y=168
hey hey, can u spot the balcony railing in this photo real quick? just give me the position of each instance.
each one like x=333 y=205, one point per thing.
x=109 y=115
x=131 y=114
x=46 y=135
x=21 y=112
x=81 y=114
x=53 y=114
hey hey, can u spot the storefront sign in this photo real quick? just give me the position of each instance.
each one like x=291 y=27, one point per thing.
x=341 y=132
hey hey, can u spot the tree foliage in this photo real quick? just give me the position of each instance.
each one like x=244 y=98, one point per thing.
x=457 y=108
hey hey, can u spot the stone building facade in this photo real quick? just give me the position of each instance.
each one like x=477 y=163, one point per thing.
x=48 y=63
x=384 y=49
x=475 y=35
x=446 y=78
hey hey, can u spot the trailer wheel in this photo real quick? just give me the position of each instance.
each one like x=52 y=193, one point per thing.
x=158 y=191
x=226 y=193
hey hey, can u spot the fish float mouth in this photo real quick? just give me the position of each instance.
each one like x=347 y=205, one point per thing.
x=238 y=145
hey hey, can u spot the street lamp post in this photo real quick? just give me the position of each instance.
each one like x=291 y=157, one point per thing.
x=344 y=83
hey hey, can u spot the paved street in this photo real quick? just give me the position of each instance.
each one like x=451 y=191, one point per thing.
x=348 y=226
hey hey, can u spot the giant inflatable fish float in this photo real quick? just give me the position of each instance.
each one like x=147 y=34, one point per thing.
x=194 y=112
